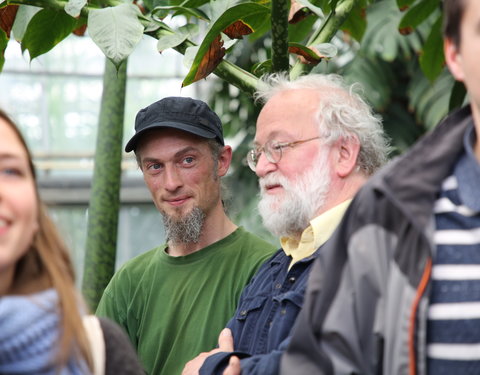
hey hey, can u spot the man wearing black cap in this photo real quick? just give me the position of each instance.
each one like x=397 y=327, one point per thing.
x=173 y=300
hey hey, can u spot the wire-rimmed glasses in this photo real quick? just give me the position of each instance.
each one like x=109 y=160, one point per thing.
x=273 y=151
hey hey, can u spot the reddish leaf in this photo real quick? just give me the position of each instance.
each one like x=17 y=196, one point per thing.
x=211 y=59
x=304 y=57
x=406 y=30
x=7 y=17
x=80 y=31
x=140 y=6
x=297 y=12
x=238 y=29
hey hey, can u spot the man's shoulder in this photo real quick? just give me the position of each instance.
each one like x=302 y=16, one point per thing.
x=140 y=263
x=254 y=243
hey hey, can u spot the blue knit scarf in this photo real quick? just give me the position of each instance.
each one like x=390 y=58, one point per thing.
x=29 y=335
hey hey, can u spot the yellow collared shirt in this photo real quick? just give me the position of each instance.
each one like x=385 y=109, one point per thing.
x=315 y=235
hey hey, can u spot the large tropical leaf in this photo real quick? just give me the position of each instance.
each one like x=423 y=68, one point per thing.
x=45 y=30
x=3 y=46
x=178 y=37
x=7 y=18
x=356 y=22
x=237 y=12
x=457 y=96
x=405 y=4
x=418 y=13
x=430 y=101
x=163 y=11
x=432 y=59
x=74 y=7
x=376 y=77
x=116 y=30
x=382 y=36
x=24 y=14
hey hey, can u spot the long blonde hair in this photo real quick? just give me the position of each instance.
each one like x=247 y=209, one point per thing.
x=48 y=260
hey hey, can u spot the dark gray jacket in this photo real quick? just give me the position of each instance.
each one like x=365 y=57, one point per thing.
x=365 y=308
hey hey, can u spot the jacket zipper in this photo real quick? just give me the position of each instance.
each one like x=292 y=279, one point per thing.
x=412 y=326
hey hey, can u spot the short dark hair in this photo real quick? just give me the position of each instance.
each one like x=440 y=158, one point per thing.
x=453 y=11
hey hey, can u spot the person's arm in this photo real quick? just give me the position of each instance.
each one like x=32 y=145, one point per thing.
x=225 y=346
x=262 y=364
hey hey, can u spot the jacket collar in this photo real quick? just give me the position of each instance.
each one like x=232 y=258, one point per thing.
x=412 y=180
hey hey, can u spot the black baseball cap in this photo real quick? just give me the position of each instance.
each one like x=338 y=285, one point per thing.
x=187 y=114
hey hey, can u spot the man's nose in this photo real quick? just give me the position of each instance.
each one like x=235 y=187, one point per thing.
x=264 y=166
x=173 y=179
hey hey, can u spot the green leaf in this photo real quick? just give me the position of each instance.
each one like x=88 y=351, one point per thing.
x=262 y=68
x=173 y=40
x=163 y=11
x=232 y=14
x=189 y=56
x=3 y=47
x=376 y=77
x=315 y=10
x=46 y=29
x=457 y=96
x=297 y=32
x=432 y=59
x=404 y=3
x=74 y=7
x=428 y=100
x=116 y=30
x=382 y=37
x=418 y=13
x=24 y=14
x=356 y=23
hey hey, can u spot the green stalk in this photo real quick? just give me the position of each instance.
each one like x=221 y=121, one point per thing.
x=105 y=194
x=279 y=20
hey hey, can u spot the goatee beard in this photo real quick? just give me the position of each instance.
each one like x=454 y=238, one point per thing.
x=186 y=229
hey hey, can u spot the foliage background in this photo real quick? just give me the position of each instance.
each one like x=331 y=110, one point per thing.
x=392 y=47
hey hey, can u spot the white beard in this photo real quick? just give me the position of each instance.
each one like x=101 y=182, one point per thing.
x=289 y=213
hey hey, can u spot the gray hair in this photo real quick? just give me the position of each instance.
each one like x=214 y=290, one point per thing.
x=343 y=113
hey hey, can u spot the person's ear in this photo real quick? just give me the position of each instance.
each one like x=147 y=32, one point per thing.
x=224 y=160
x=347 y=150
x=453 y=59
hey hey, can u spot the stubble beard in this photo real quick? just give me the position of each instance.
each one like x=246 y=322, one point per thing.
x=186 y=229
x=290 y=213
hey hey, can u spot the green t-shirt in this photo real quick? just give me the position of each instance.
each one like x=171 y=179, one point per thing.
x=173 y=308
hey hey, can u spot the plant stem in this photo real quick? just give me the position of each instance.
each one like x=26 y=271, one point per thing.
x=279 y=21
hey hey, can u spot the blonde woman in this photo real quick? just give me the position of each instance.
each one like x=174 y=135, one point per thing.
x=41 y=312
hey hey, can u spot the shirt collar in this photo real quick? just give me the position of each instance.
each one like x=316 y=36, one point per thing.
x=315 y=235
x=467 y=171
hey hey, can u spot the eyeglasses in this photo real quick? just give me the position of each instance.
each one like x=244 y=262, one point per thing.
x=273 y=151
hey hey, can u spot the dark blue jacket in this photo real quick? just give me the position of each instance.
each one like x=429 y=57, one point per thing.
x=267 y=310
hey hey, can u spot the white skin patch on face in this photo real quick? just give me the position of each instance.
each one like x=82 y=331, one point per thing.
x=18 y=203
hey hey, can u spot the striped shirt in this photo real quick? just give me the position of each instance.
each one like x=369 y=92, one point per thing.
x=453 y=329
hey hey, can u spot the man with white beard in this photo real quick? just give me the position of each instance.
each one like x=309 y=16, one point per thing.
x=173 y=299
x=316 y=143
